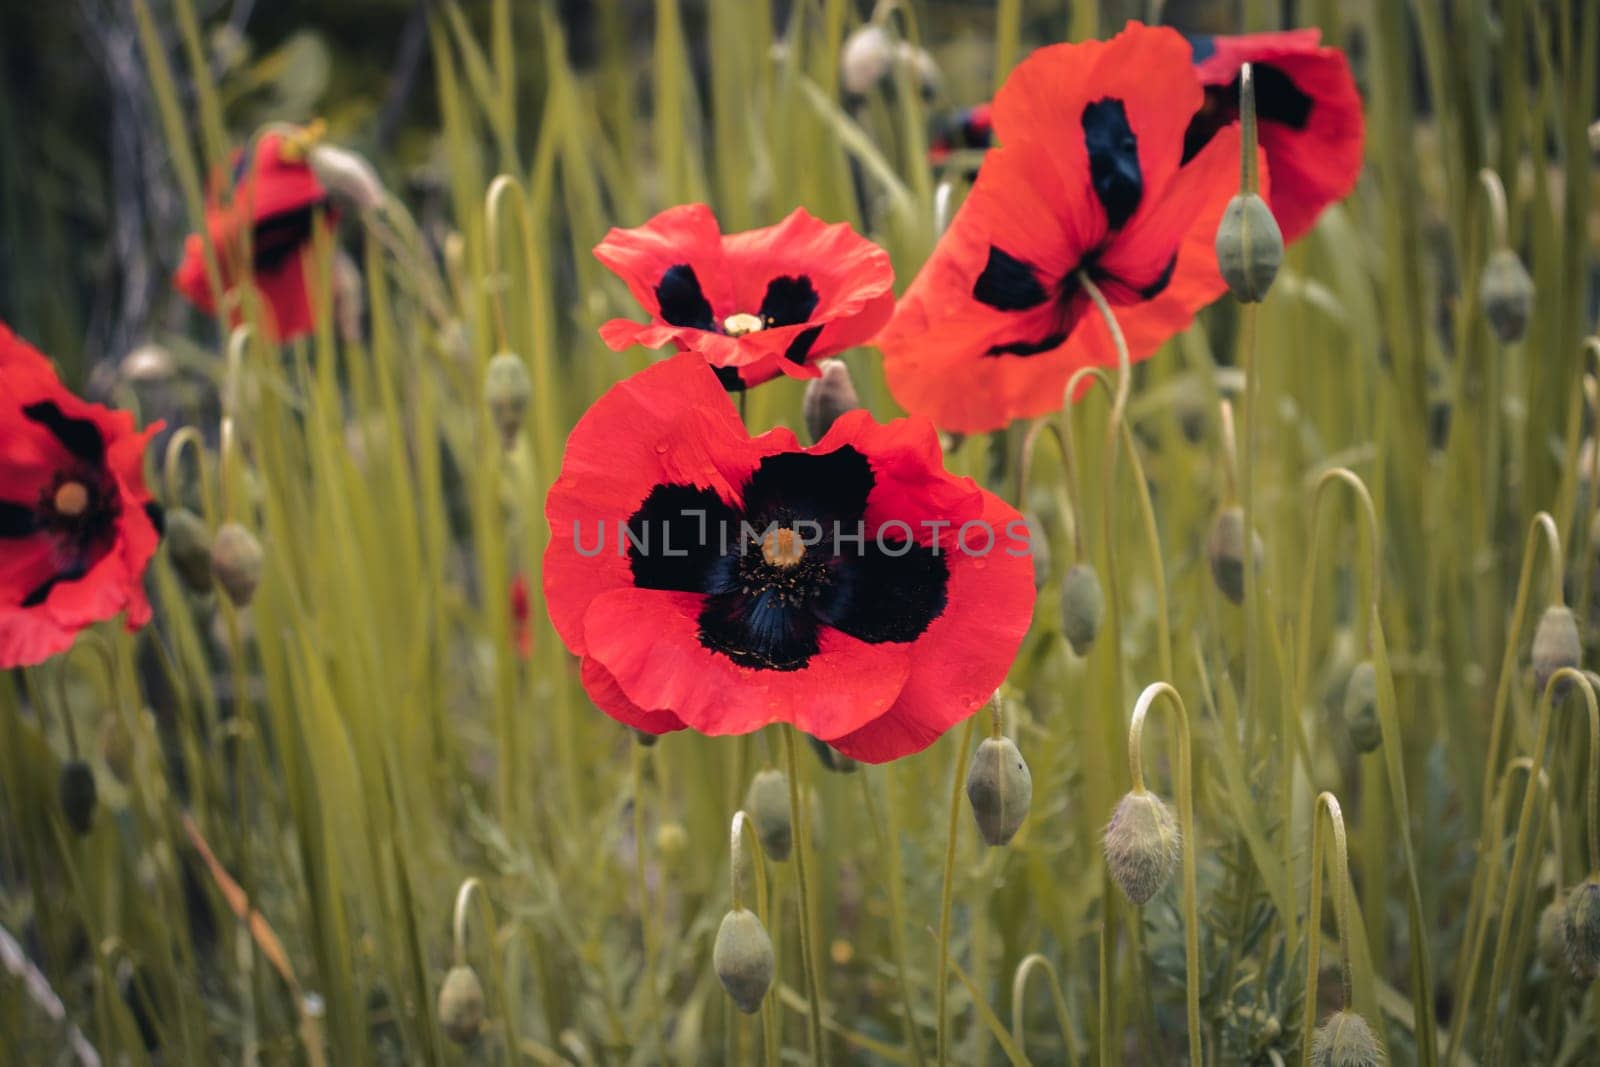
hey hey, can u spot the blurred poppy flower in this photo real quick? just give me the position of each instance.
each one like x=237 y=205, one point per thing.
x=721 y=582
x=970 y=129
x=264 y=208
x=1087 y=179
x=521 y=616
x=1308 y=110
x=755 y=304
x=77 y=526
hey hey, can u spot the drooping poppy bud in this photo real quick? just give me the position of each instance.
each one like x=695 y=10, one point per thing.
x=346 y=175
x=189 y=548
x=828 y=397
x=832 y=758
x=1551 y=935
x=236 y=562
x=1361 y=707
x=1225 y=549
x=1581 y=930
x=1556 y=644
x=507 y=389
x=1346 y=1040
x=1143 y=845
x=865 y=58
x=1000 y=789
x=78 y=795
x=767 y=802
x=1507 y=294
x=1083 y=606
x=461 y=1004
x=743 y=959
x=1249 y=247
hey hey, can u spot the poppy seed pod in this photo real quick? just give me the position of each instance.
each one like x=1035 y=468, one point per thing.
x=236 y=562
x=1225 y=550
x=767 y=802
x=1581 y=930
x=1249 y=247
x=346 y=175
x=189 y=549
x=461 y=1004
x=1346 y=1040
x=743 y=959
x=1507 y=294
x=1551 y=936
x=1083 y=606
x=1361 y=707
x=1142 y=844
x=1556 y=644
x=78 y=795
x=1000 y=789
x=507 y=389
x=828 y=397
x=831 y=757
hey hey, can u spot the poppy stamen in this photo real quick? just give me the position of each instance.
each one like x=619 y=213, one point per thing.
x=71 y=499
x=782 y=548
x=741 y=323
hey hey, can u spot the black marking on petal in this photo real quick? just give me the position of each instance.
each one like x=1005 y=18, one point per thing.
x=800 y=347
x=41 y=592
x=1008 y=283
x=789 y=301
x=17 y=520
x=890 y=592
x=280 y=236
x=157 y=516
x=1113 y=159
x=729 y=377
x=1157 y=287
x=819 y=488
x=81 y=437
x=681 y=299
x=1028 y=348
x=766 y=630
x=677 y=536
x=1279 y=99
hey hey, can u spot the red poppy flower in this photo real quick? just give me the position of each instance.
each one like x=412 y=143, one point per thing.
x=1087 y=178
x=272 y=199
x=969 y=129
x=521 y=616
x=1308 y=112
x=755 y=304
x=77 y=525
x=722 y=582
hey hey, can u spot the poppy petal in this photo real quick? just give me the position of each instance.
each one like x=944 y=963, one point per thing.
x=609 y=698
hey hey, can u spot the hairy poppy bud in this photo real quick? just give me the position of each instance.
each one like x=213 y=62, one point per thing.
x=1225 y=550
x=1555 y=645
x=865 y=58
x=1083 y=605
x=236 y=562
x=1249 y=247
x=1143 y=845
x=461 y=1004
x=1507 y=294
x=1361 y=707
x=1346 y=1040
x=147 y=363
x=767 y=802
x=1551 y=935
x=1581 y=930
x=346 y=175
x=189 y=549
x=506 y=389
x=831 y=757
x=78 y=795
x=1000 y=789
x=828 y=397
x=743 y=959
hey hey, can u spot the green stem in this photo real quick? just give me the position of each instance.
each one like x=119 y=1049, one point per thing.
x=1327 y=804
x=888 y=841
x=646 y=911
x=807 y=953
x=946 y=895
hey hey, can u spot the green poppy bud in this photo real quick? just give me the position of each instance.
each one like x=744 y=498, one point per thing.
x=236 y=562
x=672 y=841
x=1551 y=936
x=1507 y=294
x=1083 y=606
x=828 y=397
x=78 y=795
x=189 y=549
x=767 y=803
x=1556 y=644
x=461 y=1004
x=1361 y=707
x=832 y=758
x=1346 y=1040
x=507 y=389
x=1143 y=845
x=1249 y=247
x=743 y=959
x=1000 y=789
x=1581 y=930
x=1225 y=550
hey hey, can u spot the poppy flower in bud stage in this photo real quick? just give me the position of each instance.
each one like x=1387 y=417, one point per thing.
x=720 y=582
x=77 y=526
x=260 y=217
x=756 y=304
x=1088 y=180
x=1308 y=112
x=970 y=129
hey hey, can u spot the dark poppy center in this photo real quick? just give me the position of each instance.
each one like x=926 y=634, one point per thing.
x=277 y=237
x=789 y=300
x=795 y=558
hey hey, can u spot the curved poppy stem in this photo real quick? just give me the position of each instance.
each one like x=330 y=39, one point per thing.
x=800 y=830
x=473 y=888
x=1327 y=805
x=1185 y=790
x=1230 y=453
x=740 y=832
x=1498 y=216
x=941 y=976
x=1067 y=489
x=1058 y=1000
x=187 y=437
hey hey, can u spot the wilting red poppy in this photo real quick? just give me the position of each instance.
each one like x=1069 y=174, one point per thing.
x=721 y=582
x=1308 y=110
x=755 y=304
x=970 y=129
x=521 y=617
x=263 y=208
x=1087 y=179
x=77 y=525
